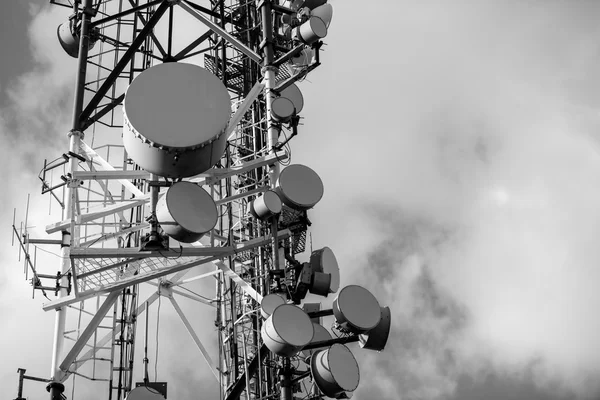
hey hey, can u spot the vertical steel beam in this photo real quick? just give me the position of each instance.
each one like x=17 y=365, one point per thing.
x=55 y=387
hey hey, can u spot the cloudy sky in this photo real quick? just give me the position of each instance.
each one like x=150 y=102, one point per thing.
x=458 y=146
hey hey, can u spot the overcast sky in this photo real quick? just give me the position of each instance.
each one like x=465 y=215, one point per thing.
x=458 y=144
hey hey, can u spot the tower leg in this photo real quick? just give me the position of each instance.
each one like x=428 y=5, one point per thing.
x=56 y=388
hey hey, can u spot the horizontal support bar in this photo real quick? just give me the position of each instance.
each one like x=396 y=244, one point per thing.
x=101 y=212
x=201 y=276
x=96 y=159
x=331 y=342
x=101 y=175
x=321 y=313
x=43 y=241
x=91 y=252
x=157 y=273
x=215 y=174
x=241 y=195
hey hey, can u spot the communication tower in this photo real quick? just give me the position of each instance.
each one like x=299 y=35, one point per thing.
x=178 y=156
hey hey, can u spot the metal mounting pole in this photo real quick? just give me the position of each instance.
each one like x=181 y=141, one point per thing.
x=270 y=74
x=55 y=387
x=286 y=381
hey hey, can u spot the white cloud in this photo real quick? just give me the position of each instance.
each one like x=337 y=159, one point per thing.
x=457 y=144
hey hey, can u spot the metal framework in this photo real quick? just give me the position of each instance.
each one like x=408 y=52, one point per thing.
x=104 y=196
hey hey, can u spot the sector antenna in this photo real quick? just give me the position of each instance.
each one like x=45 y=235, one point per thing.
x=177 y=171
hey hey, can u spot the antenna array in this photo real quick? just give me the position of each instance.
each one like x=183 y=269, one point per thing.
x=188 y=173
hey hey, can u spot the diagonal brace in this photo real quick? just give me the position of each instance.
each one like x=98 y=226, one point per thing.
x=195 y=338
x=135 y=45
x=89 y=330
x=221 y=32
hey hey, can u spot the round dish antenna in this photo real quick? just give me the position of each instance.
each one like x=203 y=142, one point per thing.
x=282 y=109
x=269 y=303
x=294 y=94
x=325 y=12
x=323 y=260
x=299 y=187
x=356 y=309
x=68 y=37
x=311 y=31
x=335 y=370
x=266 y=206
x=377 y=338
x=186 y=212
x=287 y=330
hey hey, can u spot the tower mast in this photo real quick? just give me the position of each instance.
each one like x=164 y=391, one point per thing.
x=179 y=162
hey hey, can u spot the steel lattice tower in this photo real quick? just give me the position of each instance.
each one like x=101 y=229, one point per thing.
x=104 y=195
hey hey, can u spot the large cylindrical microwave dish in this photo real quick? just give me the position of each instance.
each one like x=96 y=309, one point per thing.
x=325 y=12
x=69 y=40
x=294 y=94
x=287 y=330
x=311 y=31
x=144 y=393
x=323 y=260
x=335 y=370
x=299 y=187
x=282 y=109
x=356 y=309
x=321 y=333
x=377 y=338
x=175 y=116
x=269 y=303
x=266 y=206
x=186 y=212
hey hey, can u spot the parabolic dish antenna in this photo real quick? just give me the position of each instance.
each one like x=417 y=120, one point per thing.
x=377 y=338
x=299 y=187
x=312 y=30
x=323 y=260
x=69 y=38
x=287 y=330
x=356 y=309
x=294 y=94
x=335 y=370
x=325 y=12
x=282 y=109
x=186 y=212
x=175 y=115
x=266 y=206
x=269 y=303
